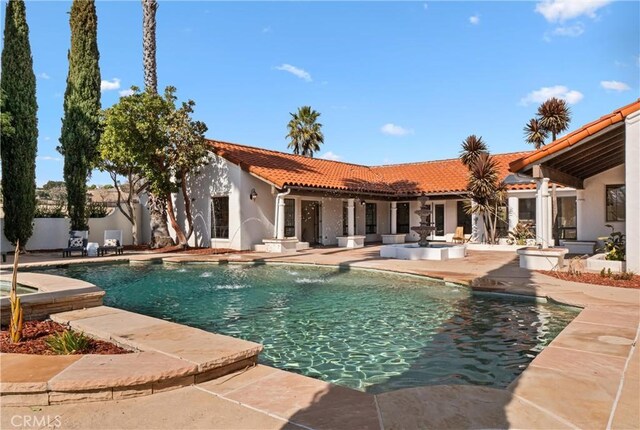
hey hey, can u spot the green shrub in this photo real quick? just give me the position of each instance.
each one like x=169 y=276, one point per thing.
x=68 y=342
x=614 y=246
x=46 y=211
x=622 y=276
x=97 y=210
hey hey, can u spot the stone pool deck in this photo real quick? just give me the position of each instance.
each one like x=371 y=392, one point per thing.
x=589 y=377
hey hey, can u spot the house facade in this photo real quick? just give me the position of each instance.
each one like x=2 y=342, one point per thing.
x=248 y=196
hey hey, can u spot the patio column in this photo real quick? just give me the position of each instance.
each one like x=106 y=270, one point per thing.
x=579 y=213
x=351 y=217
x=280 y=220
x=514 y=212
x=394 y=217
x=543 y=212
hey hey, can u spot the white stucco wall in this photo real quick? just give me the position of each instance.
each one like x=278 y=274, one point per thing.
x=593 y=220
x=53 y=233
x=632 y=181
x=256 y=217
x=331 y=220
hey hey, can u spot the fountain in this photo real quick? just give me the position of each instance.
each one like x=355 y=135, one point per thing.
x=425 y=228
x=423 y=250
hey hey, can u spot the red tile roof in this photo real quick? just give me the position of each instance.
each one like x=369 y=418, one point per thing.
x=282 y=169
x=575 y=136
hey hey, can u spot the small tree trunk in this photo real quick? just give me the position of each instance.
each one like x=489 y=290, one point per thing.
x=160 y=237
x=187 y=205
x=182 y=240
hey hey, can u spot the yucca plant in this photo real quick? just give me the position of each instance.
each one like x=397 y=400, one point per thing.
x=554 y=116
x=534 y=133
x=68 y=342
x=15 y=325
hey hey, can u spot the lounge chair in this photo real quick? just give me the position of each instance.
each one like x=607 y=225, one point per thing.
x=77 y=242
x=112 y=242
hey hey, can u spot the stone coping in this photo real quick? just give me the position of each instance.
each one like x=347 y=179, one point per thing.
x=587 y=377
x=167 y=355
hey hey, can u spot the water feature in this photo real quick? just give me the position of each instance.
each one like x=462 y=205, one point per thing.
x=365 y=330
x=426 y=227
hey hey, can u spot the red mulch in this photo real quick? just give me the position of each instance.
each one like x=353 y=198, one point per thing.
x=596 y=279
x=34 y=334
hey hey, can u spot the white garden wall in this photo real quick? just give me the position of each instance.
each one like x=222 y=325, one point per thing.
x=593 y=220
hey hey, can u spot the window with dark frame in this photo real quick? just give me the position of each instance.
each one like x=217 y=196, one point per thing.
x=289 y=217
x=616 y=202
x=402 y=218
x=371 y=218
x=220 y=217
x=464 y=218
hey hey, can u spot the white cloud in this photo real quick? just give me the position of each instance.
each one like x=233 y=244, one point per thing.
x=329 y=155
x=43 y=75
x=107 y=85
x=302 y=74
x=395 y=130
x=559 y=91
x=425 y=6
x=127 y=92
x=475 y=19
x=267 y=29
x=614 y=85
x=47 y=138
x=562 y=10
x=569 y=30
x=48 y=158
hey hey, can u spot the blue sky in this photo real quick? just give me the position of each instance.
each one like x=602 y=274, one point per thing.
x=394 y=81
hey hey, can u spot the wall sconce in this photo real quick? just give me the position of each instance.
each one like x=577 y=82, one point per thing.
x=253 y=194
x=362 y=202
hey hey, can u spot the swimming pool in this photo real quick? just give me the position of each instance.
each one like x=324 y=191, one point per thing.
x=370 y=331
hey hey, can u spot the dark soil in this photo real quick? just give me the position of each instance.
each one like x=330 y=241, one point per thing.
x=34 y=334
x=596 y=279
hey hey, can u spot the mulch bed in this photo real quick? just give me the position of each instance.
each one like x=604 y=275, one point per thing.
x=596 y=279
x=34 y=334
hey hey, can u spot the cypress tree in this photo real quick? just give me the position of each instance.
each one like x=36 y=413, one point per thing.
x=81 y=122
x=19 y=147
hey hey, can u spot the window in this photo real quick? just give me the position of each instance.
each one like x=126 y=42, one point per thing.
x=345 y=219
x=566 y=219
x=289 y=217
x=527 y=213
x=464 y=219
x=220 y=217
x=402 y=218
x=439 y=216
x=371 y=218
x=615 y=203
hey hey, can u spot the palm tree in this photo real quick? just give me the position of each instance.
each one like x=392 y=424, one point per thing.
x=554 y=116
x=305 y=133
x=534 y=133
x=472 y=147
x=149 y=8
x=157 y=204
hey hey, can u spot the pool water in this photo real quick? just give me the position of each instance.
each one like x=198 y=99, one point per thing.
x=5 y=289
x=370 y=331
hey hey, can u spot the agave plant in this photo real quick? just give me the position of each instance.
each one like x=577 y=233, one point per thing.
x=614 y=245
x=472 y=147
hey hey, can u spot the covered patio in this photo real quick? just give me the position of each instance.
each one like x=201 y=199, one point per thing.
x=601 y=161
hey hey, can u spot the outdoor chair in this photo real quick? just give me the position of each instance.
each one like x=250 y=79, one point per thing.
x=112 y=242
x=458 y=236
x=77 y=242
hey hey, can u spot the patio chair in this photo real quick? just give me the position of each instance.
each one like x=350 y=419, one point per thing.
x=458 y=236
x=112 y=242
x=77 y=242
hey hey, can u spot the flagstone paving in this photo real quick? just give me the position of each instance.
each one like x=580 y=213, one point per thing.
x=589 y=377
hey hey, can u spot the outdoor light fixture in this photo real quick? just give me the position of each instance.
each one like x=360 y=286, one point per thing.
x=362 y=202
x=253 y=195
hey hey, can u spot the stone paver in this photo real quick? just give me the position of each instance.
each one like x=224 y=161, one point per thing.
x=26 y=373
x=459 y=407
x=93 y=372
